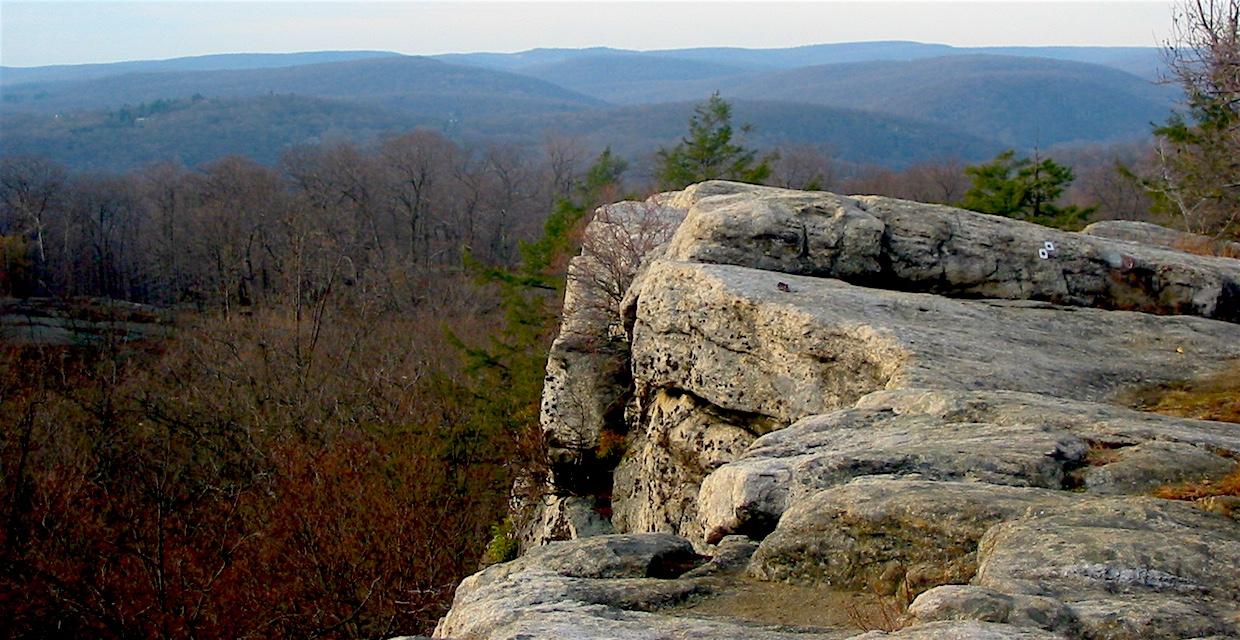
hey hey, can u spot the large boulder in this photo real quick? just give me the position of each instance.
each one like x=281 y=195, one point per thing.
x=890 y=535
x=969 y=602
x=1129 y=567
x=896 y=244
x=998 y=437
x=787 y=346
x=751 y=347
x=821 y=398
x=1157 y=236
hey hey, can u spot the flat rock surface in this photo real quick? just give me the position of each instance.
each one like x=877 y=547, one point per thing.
x=998 y=437
x=1130 y=567
x=1154 y=235
x=601 y=588
x=888 y=534
x=734 y=337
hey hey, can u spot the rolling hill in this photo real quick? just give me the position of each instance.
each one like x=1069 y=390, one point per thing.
x=399 y=82
x=618 y=77
x=193 y=132
x=1141 y=61
x=889 y=103
x=853 y=136
x=1021 y=102
x=264 y=127
x=1018 y=101
x=218 y=62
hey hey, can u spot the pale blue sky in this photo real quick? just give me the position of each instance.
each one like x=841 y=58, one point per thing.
x=44 y=32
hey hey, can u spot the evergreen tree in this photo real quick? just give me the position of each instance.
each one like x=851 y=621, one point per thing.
x=1023 y=188
x=709 y=153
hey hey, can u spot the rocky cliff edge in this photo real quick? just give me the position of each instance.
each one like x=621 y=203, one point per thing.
x=808 y=415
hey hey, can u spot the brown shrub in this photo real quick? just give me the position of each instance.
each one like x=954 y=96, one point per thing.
x=1228 y=485
x=1215 y=397
x=272 y=474
x=1207 y=246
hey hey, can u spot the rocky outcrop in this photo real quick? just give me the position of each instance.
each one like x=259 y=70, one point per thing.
x=995 y=437
x=803 y=396
x=588 y=380
x=77 y=322
x=1151 y=234
x=895 y=244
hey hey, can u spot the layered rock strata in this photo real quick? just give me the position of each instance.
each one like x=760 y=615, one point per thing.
x=870 y=397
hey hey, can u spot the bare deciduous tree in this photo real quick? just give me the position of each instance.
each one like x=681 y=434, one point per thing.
x=31 y=189
x=1198 y=151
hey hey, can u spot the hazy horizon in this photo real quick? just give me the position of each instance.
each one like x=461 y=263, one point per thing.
x=39 y=33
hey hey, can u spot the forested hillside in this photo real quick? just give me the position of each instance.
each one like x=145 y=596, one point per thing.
x=222 y=61
x=886 y=103
x=400 y=82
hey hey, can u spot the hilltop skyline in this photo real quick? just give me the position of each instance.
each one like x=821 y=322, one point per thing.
x=38 y=33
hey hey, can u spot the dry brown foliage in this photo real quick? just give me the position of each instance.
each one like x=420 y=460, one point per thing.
x=259 y=475
x=1215 y=397
x=881 y=613
x=1207 y=246
x=1228 y=485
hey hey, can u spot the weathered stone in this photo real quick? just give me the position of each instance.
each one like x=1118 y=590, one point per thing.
x=1103 y=423
x=734 y=340
x=732 y=555
x=1114 y=545
x=562 y=518
x=968 y=602
x=1144 y=467
x=968 y=630
x=602 y=589
x=1154 y=235
x=596 y=589
x=587 y=383
x=656 y=484
x=749 y=495
x=898 y=244
x=999 y=437
x=587 y=372
x=936 y=439
x=731 y=336
x=887 y=534
x=1140 y=617
x=1130 y=567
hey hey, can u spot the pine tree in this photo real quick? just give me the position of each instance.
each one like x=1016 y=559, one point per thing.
x=1023 y=188
x=709 y=153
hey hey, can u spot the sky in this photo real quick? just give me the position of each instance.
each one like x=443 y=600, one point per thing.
x=42 y=32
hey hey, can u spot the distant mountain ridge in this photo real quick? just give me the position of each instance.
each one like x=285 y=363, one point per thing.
x=399 y=81
x=887 y=103
x=1021 y=102
x=1141 y=61
x=214 y=62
